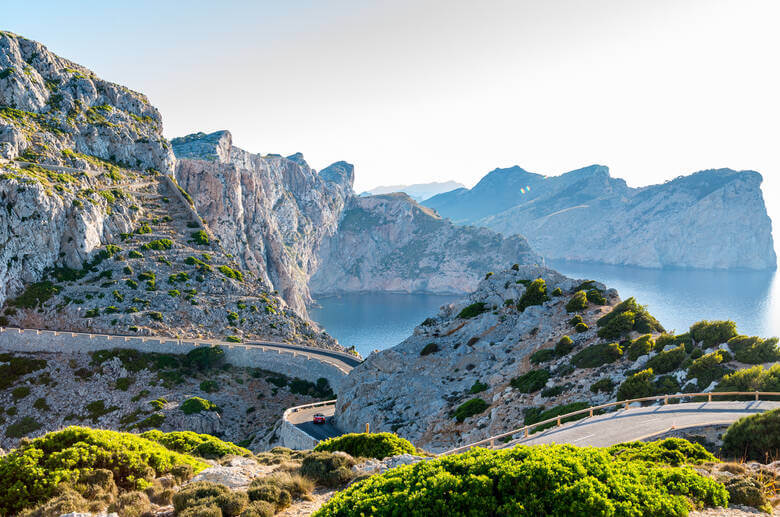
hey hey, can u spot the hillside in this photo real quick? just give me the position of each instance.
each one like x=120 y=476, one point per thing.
x=391 y=243
x=417 y=191
x=527 y=345
x=95 y=235
x=713 y=219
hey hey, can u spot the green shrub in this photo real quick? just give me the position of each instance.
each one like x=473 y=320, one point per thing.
x=597 y=355
x=754 y=350
x=429 y=349
x=158 y=245
x=641 y=320
x=670 y=451
x=668 y=361
x=134 y=254
x=155 y=315
x=557 y=292
x=209 y=386
x=478 y=387
x=541 y=480
x=531 y=381
x=595 y=296
x=711 y=333
x=554 y=391
x=233 y=339
x=640 y=346
x=754 y=437
x=580 y=328
x=152 y=421
x=199 y=493
x=542 y=356
x=756 y=378
x=34 y=295
x=206 y=357
x=196 y=405
x=328 y=469
x=535 y=294
x=367 y=445
x=575 y=320
x=203 y=445
x=123 y=383
x=200 y=237
x=469 y=408
x=564 y=345
x=13 y=368
x=41 y=405
x=32 y=473
x=132 y=284
x=707 y=369
x=131 y=504
x=637 y=386
x=475 y=309
x=21 y=428
x=618 y=326
x=578 y=302
x=20 y=393
x=605 y=384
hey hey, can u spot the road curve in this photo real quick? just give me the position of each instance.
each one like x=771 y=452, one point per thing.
x=347 y=360
x=302 y=419
x=644 y=422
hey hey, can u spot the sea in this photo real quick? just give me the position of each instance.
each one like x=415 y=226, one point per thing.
x=676 y=297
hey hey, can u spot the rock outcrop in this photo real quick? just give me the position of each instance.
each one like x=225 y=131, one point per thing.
x=517 y=347
x=270 y=212
x=391 y=243
x=714 y=219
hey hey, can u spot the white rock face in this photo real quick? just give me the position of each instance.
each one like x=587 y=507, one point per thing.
x=714 y=219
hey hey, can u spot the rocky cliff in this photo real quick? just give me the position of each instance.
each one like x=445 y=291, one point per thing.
x=95 y=235
x=713 y=219
x=391 y=243
x=527 y=345
x=306 y=232
x=270 y=212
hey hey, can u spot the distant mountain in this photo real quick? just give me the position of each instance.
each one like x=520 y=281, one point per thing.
x=714 y=219
x=418 y=191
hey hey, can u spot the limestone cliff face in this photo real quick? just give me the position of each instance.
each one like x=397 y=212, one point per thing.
x=391 y=243
x=55 y=112
x=713 y=219
x=270 y=212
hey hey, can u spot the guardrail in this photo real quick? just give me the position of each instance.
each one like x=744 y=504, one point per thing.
x=295 y=409
x=526 y=430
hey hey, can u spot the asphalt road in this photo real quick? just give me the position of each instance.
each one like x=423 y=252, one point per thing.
x=347 y=361
x=303 y=421
x=644 y=422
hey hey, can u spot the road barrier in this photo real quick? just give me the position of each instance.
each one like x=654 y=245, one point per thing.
x=294 y=437
x=525 y=431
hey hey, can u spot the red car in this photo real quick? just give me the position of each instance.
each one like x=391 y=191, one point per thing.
x=318 y=418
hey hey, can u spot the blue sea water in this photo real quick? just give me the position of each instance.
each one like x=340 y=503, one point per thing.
x=677 y=298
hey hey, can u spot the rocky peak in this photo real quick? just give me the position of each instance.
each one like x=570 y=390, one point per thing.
x=200 y=146
x=341 y=173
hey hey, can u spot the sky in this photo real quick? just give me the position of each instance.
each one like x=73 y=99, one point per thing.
x=413 y=91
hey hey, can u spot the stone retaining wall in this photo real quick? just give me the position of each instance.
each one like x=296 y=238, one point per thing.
x=290 y=363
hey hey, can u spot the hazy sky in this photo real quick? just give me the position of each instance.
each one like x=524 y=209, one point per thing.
x=413 y=91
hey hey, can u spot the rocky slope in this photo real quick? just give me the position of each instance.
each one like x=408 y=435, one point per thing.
x=518 y=346
x=95 y=235
x=713 y=219
x=53 y=111
x=391 y=243
x=270 y=212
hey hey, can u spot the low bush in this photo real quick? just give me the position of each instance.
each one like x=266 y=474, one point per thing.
x=576 y=319
x=469 y=408
x=605 y=385
x=209 y=386
x=200 y=237
x=478 y=387
x=754 y=350
x=754 y=437
x=578 y=302
x=20 y=393
x=203 y=445
x=543 y=356
x=22 y=427
x=540 y=480
x=429 y=349
x=637 y=386
x=206 y=357
x=618 y=326
x=640 y=346
x=32 y=473
x=711 y=333
x=595 y=296
x=158 y=244
x=232 y=273
x=34 y=295
x=196 y=405
x=473 y=310
x=597 y=355
x=624 y=312
x=580 y=328
x=564 y=345
x=535 y=294
x=670 y=451
x=756 y=378
x=328 y=469
x=668 y=361
x=531 y=381
x=368 y=445
x=14 y=367
x=707 y=369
